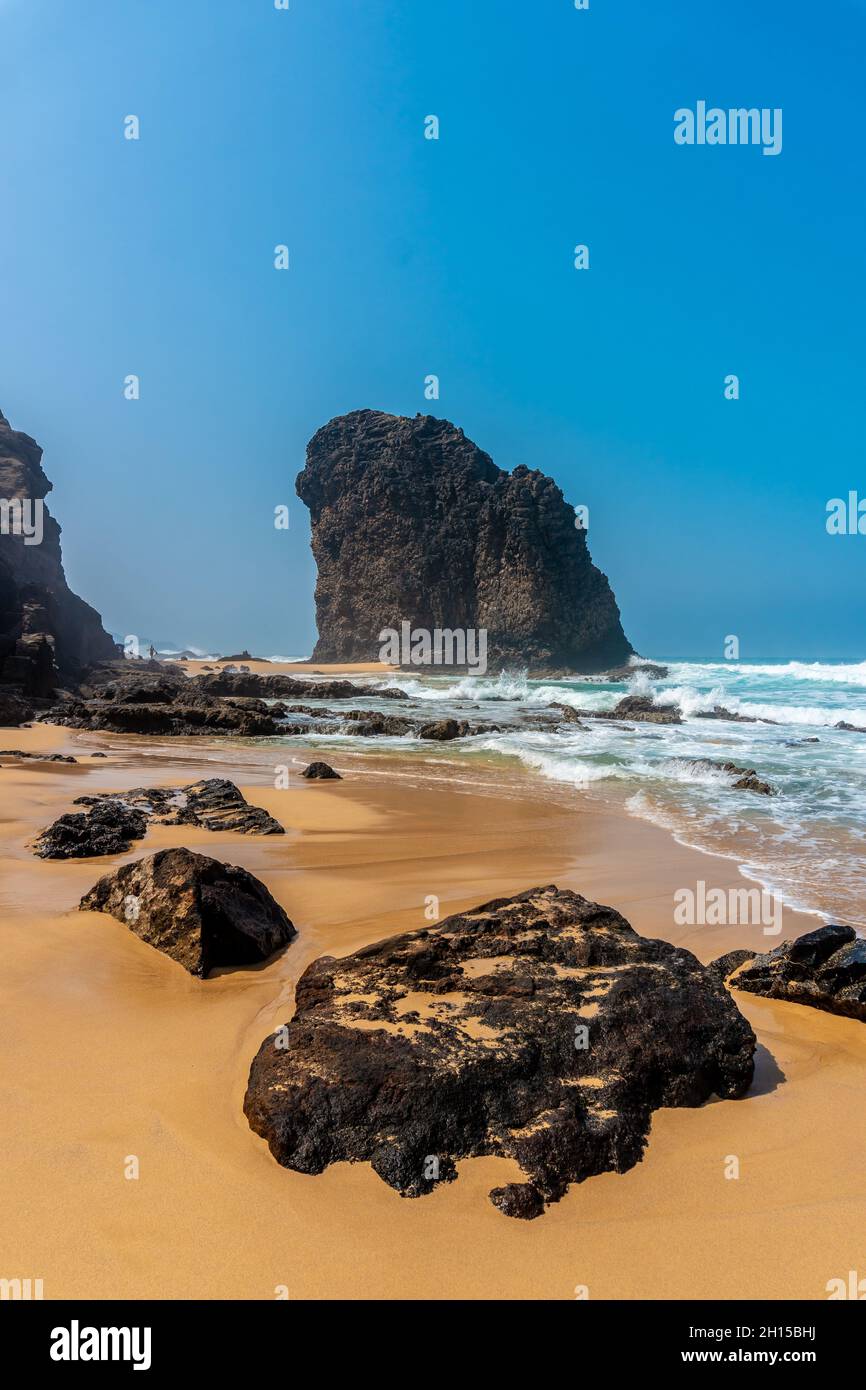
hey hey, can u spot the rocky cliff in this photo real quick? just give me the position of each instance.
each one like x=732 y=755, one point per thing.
x=413 y=522
x=47 y=633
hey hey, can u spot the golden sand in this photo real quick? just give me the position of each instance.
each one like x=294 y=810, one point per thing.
x=111 y=1050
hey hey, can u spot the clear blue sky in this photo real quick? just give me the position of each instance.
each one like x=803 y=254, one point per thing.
x=410 y=257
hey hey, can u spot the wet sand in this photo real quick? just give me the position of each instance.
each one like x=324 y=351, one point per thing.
x=111 y=1050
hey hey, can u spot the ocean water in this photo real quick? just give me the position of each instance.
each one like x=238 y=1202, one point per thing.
x=806 y=844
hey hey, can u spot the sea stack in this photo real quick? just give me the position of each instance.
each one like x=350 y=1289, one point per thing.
x=47 y=633
x=412 y=522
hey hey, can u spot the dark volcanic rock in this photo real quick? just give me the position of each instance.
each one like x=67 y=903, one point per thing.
x=849 y=728
x=725 y=965
x=281 y=687
x=215 y=804
x=443 y=730
x=412 y=521
x=364 y=723
x=321 y=772
x=198 y=911
x=520 y=1199
x=38 y=757
x=719 y=712
x=108 y=827
x=187 y=715
x=14 y=711
x=641 y=707
x=825 y=968
x=747 y=779
x=47 y=634
x=568 y=715
x=649 y=669
x=540 y=1028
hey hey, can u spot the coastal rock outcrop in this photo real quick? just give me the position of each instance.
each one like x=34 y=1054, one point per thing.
x=179 y=715
x=540 y=1027
x=825 y=968
x=201 y=913
x=321 y=772
x=282 y=687
x=413 y=522
x=47 y=633
x=115 y=819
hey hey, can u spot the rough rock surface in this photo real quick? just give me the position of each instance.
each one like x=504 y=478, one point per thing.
x=747 y=779
x=198 y=911
x=724 y=966
x=282 y=687
x=412 y=521
x=18 y=755
x=108 y=827
x=539 y=1027
x=321 y=772
x=14 y=711
x=825 y=968
x=183 y=715
x=720 y=712
x=47 y=633
x=115 y=819
x=642 y=708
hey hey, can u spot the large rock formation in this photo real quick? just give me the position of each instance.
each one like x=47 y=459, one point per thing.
x=540 y=1028
x=47 y=633
x=413 y=522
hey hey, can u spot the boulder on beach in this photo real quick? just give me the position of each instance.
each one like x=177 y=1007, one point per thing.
x=14 y=711
x=198 y=911
x=826 y=968
x=540 y=1028
x=114 y=819
x=107 y=827
x=321 y=772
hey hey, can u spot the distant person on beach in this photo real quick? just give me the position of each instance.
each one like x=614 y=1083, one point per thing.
x=152 y=652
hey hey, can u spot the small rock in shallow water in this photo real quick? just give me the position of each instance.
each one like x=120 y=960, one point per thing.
x=321 y=772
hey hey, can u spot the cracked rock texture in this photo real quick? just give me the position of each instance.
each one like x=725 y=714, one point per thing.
x=540 y=1028
x=412 y=521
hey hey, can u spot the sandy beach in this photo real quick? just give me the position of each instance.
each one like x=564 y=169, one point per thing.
x=112 y=1050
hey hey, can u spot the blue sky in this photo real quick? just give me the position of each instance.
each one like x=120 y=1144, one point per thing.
x=454 y=257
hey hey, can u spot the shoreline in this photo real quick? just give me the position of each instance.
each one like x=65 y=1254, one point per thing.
x=115 y=1051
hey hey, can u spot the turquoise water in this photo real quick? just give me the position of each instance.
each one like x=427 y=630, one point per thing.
x=807 y=844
